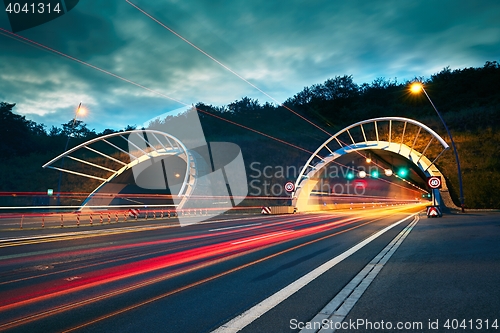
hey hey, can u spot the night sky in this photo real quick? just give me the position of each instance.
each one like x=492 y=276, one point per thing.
x=279 y=46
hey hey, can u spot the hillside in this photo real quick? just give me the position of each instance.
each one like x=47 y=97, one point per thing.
x=468 y=99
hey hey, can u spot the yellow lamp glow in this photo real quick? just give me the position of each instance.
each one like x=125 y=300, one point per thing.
x=416 y=87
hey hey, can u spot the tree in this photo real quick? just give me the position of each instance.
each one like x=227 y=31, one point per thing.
x=107 y=131
x=77 y=128
x=340 y=87
x=16 y=132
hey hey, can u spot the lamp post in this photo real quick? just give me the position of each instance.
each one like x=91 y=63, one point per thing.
x=416 y=87
x=78 y=111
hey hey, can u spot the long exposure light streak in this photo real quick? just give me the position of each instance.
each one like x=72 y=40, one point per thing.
x=41 y=293
x=159 y=297
x=212 y=254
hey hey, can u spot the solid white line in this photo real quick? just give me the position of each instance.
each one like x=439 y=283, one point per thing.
x=247 y=317
x=238 y=226
x=340 y=306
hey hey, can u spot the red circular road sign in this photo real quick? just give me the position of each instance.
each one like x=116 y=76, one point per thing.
x=289 y=187
x=434 y=182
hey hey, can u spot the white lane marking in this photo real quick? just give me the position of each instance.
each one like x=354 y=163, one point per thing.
x=340 y=306
x=238 y=226
x=247 y=317
x=265 y=236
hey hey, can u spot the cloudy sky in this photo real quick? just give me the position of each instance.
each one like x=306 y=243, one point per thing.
x=279 y=46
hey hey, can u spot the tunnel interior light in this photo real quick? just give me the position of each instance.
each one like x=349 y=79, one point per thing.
x=403 y=172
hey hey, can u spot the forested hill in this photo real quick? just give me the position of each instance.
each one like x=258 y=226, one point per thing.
x=338 y=102
x=468 y=98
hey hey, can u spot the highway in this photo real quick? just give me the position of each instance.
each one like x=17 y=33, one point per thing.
x=155 y=276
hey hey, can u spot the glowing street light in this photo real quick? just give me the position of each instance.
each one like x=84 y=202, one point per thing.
x=417 y=87
x=388 y=172
x=79 y=111
x=362 y=174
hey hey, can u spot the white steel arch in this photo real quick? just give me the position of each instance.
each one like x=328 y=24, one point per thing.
x=335 y=148
x=159 y=144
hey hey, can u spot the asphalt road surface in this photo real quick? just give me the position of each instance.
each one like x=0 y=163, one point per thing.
x=257 y=274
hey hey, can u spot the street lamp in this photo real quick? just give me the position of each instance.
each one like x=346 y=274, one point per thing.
x=416 y=87
x=78 y=111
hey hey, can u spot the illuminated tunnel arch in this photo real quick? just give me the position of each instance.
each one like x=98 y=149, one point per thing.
x=110 y=169
x=401 y=136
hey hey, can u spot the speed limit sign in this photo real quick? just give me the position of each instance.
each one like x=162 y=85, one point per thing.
x=434 y=182
x=289 y=187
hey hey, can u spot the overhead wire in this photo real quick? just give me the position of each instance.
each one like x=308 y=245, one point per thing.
x=224 y=66
x=47 y=48
x=242 y=78
x=39 y=45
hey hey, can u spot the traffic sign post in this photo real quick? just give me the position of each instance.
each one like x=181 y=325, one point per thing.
x=434 y=211
x=289 y=187
x=434 y=183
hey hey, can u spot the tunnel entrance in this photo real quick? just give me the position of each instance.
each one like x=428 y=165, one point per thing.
x=379 y=160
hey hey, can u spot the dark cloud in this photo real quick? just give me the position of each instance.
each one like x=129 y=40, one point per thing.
x=281 y=46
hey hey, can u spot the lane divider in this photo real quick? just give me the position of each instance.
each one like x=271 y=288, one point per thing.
x=340 y=306
x=172 y=292
x=247 y=317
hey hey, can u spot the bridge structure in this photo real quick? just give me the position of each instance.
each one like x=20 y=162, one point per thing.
x=119 y=164
x=117 y=160
x=412 y=143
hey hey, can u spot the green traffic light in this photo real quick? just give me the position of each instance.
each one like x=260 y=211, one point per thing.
x=402 y=172
x=350 y=175
x=375 y=174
